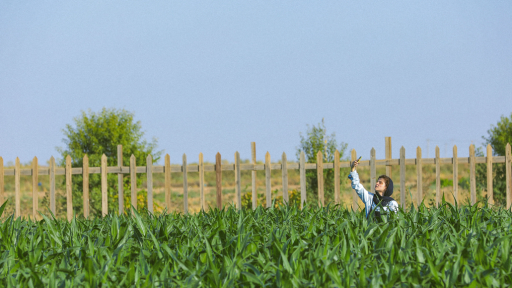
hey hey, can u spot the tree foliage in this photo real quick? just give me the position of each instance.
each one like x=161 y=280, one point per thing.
x=98 y=133
x=314 y=140
x=498 y=137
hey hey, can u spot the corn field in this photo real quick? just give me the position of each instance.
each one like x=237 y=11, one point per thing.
x=277 y=247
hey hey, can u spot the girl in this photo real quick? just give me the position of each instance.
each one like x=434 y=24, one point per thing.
x=381 y=197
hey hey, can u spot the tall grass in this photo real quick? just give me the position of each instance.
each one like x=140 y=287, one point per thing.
x=314 y=247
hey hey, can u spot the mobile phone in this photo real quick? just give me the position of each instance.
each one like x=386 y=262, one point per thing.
x=359 y=159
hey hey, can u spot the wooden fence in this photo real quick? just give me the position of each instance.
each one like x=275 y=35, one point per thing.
x=268 y=167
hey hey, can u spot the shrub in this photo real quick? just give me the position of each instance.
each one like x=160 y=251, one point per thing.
x=316 y=139
x=98 y=133
x=498 y=137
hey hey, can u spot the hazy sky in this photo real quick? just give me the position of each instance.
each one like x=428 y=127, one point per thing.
x=208 y=76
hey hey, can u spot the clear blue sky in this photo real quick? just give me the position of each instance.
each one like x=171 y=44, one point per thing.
x=208 y=76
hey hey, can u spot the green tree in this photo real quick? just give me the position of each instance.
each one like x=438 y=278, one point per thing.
x=98 y=133
x=316 y=139
x=498 y=137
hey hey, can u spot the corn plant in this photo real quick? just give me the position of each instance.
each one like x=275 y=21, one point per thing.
x=277 y=247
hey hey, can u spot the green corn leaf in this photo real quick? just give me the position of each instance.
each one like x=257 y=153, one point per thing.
x=2 y=208
x=253 y=278
x=139 y=223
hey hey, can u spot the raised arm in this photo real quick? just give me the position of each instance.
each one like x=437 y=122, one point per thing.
x=356 y=185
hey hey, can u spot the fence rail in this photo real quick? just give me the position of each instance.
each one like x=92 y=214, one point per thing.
x=268 y=167
x=247 y=167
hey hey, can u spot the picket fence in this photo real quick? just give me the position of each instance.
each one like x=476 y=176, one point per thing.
x=268 y=167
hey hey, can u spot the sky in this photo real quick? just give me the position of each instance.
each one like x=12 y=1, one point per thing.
x=213 y=76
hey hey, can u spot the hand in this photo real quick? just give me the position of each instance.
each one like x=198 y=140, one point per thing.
x=353 y=165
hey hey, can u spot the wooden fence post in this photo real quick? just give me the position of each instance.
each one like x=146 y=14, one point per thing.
x=284 y=168
x=133 y=182
x=185 y=185
x=17 y=188
x=302 y=169
x=52 y=186
x=253 y=176
x=2 y=193
x=69 y=187
x=104 y=186
x=120 y=184
x=355 y=206
x=168 y=182
x=508 y=177
x=268 y=194
x=388 y=156
x=419 y=179
x=438 y=177
x=201 y=181
x=85 y=186
x=490 y=191
x=402 y=178
x=472 y=178
x=320 y=178
x=218 y=179
x=149 y=180
x=455 y=175
x=373 y=171
x=238 y=186
x=35 y=184
x=337 y=196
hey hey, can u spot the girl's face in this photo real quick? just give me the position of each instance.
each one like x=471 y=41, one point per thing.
x=380 y=186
